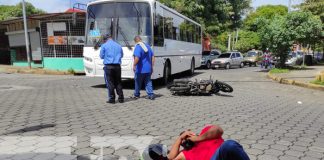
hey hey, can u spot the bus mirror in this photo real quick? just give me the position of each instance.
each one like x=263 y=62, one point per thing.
x=91 y=25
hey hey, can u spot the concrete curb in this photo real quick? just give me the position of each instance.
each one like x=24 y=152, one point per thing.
x=294 y=82
x=24 y=70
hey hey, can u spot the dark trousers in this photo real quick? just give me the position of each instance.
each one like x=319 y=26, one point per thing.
x=113 y=81
x=230 y=150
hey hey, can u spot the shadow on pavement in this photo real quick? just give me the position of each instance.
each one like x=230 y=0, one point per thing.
x=262 y=70
x=250 y=81
x=130 y=99
x=33 y=128
x=224 y=95
x=157 y=83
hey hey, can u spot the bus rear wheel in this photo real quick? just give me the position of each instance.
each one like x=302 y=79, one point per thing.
x=192 y=67
x=166 y=73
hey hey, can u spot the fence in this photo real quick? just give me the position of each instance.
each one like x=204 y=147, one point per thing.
x=63 y=36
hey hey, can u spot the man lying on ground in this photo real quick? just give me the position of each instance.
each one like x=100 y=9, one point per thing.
x=208 y=145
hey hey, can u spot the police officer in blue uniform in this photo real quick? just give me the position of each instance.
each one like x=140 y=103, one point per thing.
x=112 y=53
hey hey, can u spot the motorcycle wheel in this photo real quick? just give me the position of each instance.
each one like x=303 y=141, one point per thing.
x=224 y=87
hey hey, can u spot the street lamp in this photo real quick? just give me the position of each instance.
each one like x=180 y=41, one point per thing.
x=26 y=34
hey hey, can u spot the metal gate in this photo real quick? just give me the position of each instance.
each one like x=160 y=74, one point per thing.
x=63 y=36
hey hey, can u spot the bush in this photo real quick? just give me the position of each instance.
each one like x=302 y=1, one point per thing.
x=277 y=70
x=71 y=71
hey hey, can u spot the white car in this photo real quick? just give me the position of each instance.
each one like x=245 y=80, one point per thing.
x=295 y=58
x=227 y=60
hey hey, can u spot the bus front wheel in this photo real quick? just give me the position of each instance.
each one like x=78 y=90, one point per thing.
x=166 y=73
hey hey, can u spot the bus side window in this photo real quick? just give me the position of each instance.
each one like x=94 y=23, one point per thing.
x=168 y=24
x=158 y=31
x=188 y=31
x=183 y=32
x=197 y=34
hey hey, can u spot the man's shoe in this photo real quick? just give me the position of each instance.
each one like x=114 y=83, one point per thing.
x=135 y=97
x=111 y=101
x=121 y=100
x=150 y=97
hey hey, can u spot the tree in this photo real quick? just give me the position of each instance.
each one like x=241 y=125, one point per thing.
x=316 y=7
x=247 y=40
x=305 y=28
x=283 y=31
x=239 y=8
x=267 y=12
x=214 y=15
x=7 y=12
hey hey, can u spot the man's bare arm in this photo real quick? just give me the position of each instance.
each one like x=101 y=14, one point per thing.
x=214 y=132
x=175 y=149
x=153 y=60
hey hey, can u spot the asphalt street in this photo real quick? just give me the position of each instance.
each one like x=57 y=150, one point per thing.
x=66 y=117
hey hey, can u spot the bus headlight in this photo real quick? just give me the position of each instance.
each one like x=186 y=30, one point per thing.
x=88 y=59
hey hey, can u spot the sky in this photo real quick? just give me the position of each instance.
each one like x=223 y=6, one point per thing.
x=53 y=6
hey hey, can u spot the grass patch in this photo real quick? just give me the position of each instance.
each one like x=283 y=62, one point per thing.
x=278 y=70
x=71 y=71
x=318 y=82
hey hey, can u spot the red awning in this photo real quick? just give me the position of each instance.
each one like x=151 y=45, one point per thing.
x=72 y=10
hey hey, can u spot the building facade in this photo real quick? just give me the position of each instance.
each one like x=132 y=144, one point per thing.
x=56 y=40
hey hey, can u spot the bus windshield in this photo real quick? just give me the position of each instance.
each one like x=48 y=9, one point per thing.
x=121 y=20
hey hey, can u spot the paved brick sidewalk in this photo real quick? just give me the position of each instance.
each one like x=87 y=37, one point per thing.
x=306 y=75
x=66 y=117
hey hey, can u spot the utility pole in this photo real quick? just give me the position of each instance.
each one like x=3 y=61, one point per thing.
x=229 y=42
x=26 y=34
x=236 y=38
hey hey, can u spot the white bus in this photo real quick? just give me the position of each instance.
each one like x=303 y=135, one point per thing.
x=175 y=39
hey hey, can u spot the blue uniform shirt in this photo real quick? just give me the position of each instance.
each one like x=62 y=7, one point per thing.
x=111 y=52
x=144 y=64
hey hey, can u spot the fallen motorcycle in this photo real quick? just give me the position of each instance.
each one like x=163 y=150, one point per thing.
x=202 y=87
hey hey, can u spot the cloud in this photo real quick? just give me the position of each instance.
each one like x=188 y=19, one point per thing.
x=257 y=3
x=51 y=6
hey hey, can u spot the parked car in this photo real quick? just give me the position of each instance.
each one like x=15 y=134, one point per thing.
x=227 y=60
x=208 y=57
x=252 y=57
x=295 y=58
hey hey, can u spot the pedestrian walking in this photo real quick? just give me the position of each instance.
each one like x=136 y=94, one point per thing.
x=112 y=53
x=143 y=68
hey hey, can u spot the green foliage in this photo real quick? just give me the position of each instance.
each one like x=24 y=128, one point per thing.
x=305 y=28
x=267 y=12
x=239 y=8
x=317 y=82
x=247 y=40
x=71 y=71
x=278 y=70
x=316 y=7
x=221 y=41
x=214 y=15
x=283 y=31
x=278 y=37
x=7 y=12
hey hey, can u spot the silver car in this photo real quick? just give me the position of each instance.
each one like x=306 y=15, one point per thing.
x=227 y=60
x=208 y=57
